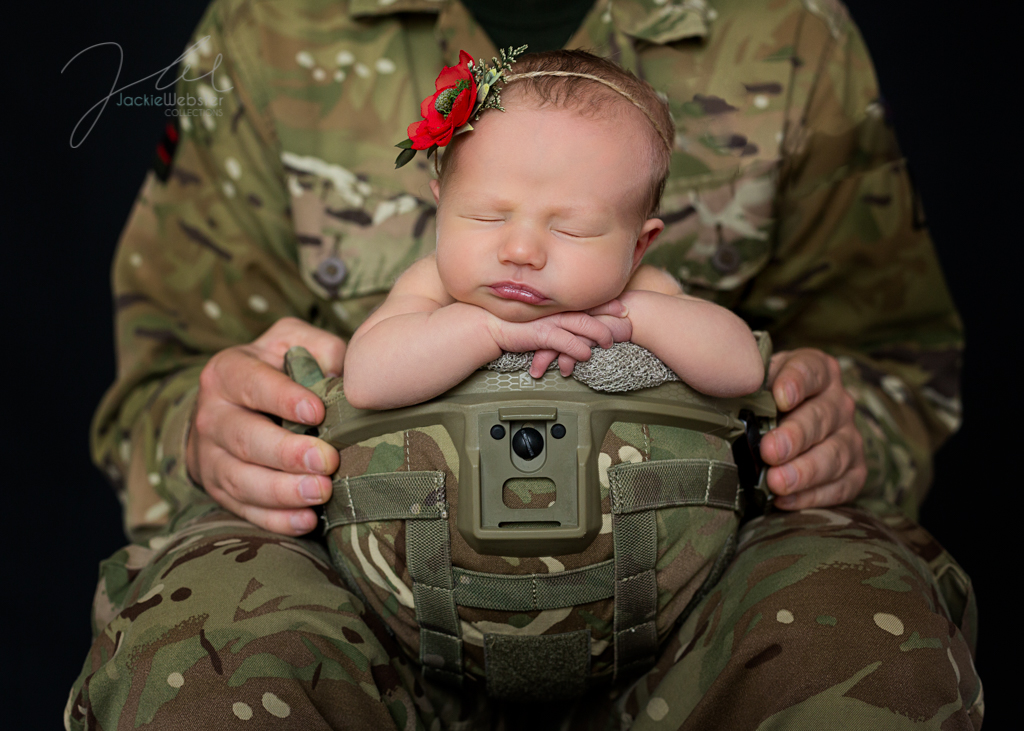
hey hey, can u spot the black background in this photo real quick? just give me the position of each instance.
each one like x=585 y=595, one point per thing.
x=945 y=73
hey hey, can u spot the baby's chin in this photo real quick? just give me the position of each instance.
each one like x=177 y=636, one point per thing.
x=513 y=311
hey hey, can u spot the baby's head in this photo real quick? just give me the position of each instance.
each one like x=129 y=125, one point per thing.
x=548 y=207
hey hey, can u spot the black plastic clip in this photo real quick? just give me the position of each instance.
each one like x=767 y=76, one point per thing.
x=746 y=451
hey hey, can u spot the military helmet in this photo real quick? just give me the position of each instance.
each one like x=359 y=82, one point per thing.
x=536 y=535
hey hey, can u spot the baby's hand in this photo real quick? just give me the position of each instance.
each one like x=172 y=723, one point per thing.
x=612 y=314
x=569 y=333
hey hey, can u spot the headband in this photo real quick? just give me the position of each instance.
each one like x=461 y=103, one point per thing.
x=614 y=87
x=466 y=90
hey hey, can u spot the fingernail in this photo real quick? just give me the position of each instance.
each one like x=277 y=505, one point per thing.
x=784 y=501
x=789 y=475
x=314 y=460
x=782 y=446
x=309 y=489
x=306 y=412
x=790 y=391
x=303 y=522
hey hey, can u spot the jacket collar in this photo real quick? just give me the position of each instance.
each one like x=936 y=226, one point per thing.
x=654 y=21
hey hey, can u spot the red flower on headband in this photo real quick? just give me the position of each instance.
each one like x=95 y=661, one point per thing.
x=462 y=91
x=448 y=109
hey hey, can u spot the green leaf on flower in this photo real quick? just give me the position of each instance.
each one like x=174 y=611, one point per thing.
x=405 y=144
x=431 y=150
x=404 y=157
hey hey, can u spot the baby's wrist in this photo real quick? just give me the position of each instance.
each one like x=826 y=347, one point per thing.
x=636 y=302
x=478 y=324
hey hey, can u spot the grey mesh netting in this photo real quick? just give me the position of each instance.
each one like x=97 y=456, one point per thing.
x=622 y=367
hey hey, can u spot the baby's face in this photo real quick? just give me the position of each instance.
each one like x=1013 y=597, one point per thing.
x=540 y=214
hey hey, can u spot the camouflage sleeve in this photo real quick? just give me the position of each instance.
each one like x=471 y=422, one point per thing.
x=855 y=272
x=207 y=260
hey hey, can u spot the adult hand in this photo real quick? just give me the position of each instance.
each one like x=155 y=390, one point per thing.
x=816 y=451
x=247 y=463
x=612 y=314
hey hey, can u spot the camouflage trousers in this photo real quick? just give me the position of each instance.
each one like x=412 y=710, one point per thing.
x=842 y=619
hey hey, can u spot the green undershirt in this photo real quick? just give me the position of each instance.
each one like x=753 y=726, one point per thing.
x=543 y=25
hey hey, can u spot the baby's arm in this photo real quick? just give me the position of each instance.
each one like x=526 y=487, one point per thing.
x=421 y=342
x=706 y=345
x=417 y=344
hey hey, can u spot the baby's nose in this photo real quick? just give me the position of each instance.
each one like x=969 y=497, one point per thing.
x=523 y=248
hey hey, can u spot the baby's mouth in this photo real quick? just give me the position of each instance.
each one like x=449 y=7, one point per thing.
x=518 y=292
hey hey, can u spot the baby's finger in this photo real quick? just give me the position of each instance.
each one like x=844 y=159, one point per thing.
x=566 y=364
x=564 y=341
x=621 y=328
x=585 y=326
x=613 y=308
x=541 y=360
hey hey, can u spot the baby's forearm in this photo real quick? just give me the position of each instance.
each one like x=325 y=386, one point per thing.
x=409 y=358
x=707 y=346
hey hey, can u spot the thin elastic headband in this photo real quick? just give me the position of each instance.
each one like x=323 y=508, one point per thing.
x=609 y=84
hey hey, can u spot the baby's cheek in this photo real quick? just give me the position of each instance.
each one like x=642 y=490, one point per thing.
x=605 y=283
x=452 y=279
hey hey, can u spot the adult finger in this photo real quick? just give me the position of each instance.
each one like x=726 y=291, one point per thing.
x=795 y=376
x=288 y=522
x=843 y=490
x=824 y=463
x=327 y=348
x=255 y=439
x=264 y=487
x=235 y=376
x=808 y=424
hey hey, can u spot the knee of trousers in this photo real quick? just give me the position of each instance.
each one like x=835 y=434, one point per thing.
x=227 y=623
x=828 y=604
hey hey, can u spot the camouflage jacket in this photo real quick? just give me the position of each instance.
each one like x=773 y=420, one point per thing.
x=276 y=194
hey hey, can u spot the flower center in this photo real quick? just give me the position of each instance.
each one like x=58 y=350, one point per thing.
x=446 y=99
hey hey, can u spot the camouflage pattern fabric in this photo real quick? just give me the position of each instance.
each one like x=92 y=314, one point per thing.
x=825 y=619
x=788 y=201
x=374 y=556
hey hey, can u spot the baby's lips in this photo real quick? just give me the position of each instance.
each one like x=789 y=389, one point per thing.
x=518 y=291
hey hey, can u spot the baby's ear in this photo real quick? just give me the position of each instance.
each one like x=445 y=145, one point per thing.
x=648 y=233
x=435 y=188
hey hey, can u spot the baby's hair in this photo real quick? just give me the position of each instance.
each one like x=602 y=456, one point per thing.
x=592 y=86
